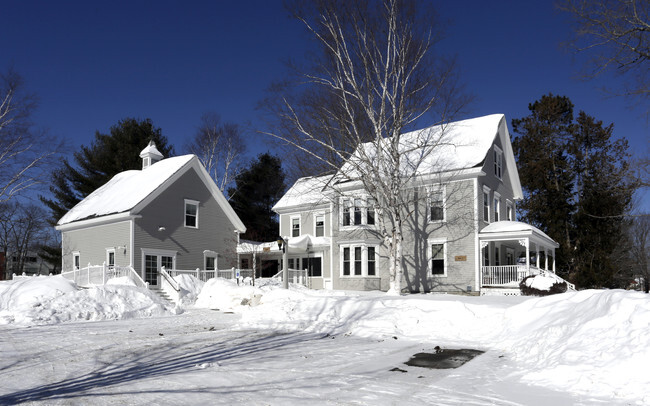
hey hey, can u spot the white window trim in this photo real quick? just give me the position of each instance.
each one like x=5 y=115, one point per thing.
x=211 y=254
x=108 y=251
x=510 y=206
x=291 y=218
x=496 y=200
x=186 y=202
x=483 y=200
x=158 y=253
x=364 y=260
x=76 y=254
x=498 y=162
x=432 y=241
x=430 y=191
x=316 y=215
x=363 y=199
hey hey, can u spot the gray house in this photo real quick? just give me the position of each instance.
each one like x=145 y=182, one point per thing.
x=461 y=234
x=168 y=214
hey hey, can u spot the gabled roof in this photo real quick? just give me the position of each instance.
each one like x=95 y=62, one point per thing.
x=306 y=191
x=441 y=148
x=129 y=191
x=453 y=148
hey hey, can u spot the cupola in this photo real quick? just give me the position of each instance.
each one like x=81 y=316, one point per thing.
x=150 y=155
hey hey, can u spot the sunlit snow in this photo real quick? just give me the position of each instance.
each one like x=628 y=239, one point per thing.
x=119 y=344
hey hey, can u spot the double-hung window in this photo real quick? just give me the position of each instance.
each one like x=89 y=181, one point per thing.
x=438 y=258
x=498 y=162
x=76 y=260
x=110 y=258
x=486 y=204
x=359 y=260
x=372 y=269
x=346 y=261
x=509 y=211
x=497 y=206
x=358 y=211
x=436 y=206
x=295 y=226
x=370 y=213
x=319 y=225
x=191 y=213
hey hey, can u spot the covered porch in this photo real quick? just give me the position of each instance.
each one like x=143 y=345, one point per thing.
x=511 y=251
x=306 y=258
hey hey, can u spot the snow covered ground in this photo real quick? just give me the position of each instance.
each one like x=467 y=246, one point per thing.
x=118 y=344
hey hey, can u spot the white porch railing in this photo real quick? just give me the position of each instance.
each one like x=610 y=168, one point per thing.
x=93 y=275
x=505 y=274
x=295 y=276
x=204 y=275
x=512 y=275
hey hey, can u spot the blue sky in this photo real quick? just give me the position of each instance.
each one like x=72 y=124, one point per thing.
x=94 y=63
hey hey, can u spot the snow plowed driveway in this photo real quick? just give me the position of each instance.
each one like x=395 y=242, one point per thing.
x=198 y=358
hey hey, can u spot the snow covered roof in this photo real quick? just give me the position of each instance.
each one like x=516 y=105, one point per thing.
x=125 y=190
x=440 y=148
x=514 y=227
x=151 y=150
x=307 y=190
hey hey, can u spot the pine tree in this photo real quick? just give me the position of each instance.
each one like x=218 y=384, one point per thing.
x=574 y=175
x=257 y=190
x=544 y=171
x=603 y=195
x=95 y=165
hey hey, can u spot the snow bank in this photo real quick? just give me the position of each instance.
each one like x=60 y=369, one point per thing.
x=589 y=341
x=54 y=299
x=593 y=342
x=190 y=288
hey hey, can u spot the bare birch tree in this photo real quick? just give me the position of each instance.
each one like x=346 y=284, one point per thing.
x=220 y=147
x=23 y=152
x=375 y=78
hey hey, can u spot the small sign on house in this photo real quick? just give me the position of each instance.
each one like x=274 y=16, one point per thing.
x=460 y=258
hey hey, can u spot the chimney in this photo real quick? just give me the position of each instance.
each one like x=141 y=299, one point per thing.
x=150 y=155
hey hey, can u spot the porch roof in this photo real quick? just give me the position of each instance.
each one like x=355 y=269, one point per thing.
x=514 y=230
x=296 y=245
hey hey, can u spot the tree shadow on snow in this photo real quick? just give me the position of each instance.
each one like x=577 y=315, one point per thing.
x=157 y=362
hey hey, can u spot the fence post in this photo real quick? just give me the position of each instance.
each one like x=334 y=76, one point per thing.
x=198 y=274
x=104 y=273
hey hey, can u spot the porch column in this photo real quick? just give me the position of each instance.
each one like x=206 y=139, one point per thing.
x=553 y=260
x=526 y=244
x=537 y=255
x=545 y=258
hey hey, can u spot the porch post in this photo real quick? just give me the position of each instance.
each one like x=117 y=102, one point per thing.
x=553 y=260
x=537 y=255
x=527 y=256
x=545 y=258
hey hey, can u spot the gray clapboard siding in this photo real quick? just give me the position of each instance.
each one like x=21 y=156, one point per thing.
x=92 y=242
x=168 y=211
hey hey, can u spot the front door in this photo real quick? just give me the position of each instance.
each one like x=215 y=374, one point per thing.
x=152 y=264
x=151 y=269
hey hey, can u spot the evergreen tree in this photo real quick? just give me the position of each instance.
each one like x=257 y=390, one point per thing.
x=603 y=195
x=576 y=188
x=257 y=190
x=95 y=165
x=543 y=165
